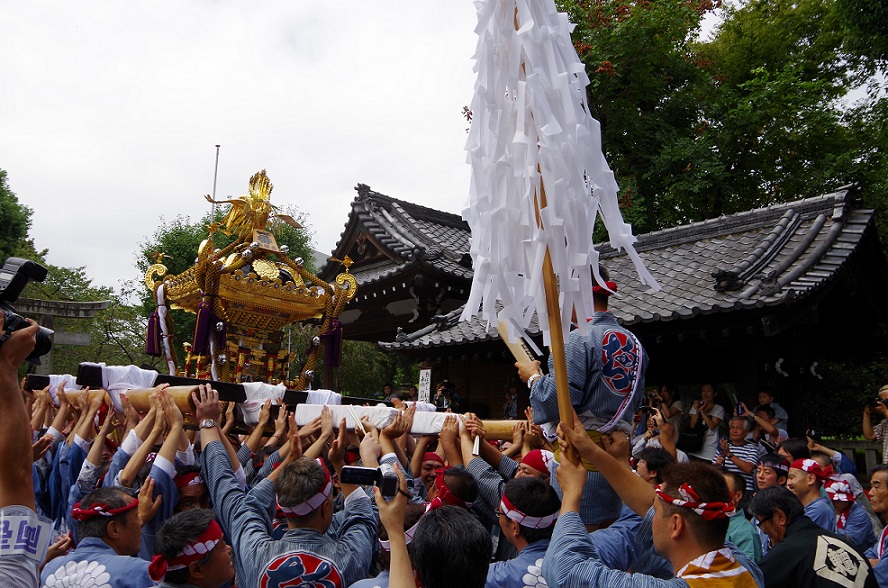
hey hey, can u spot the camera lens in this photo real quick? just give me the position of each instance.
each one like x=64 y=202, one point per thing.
x=14 y=322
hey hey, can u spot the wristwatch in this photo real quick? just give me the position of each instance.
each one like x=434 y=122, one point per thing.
x=533 y=378
x=208 y=424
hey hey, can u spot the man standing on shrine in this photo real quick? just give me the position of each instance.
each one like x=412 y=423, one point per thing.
x=605 y=370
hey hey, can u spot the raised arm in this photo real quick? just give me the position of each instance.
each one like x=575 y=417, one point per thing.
x=449 y=440
x=633 y=490
x=389 y=436
x=61 y=416
x=16 y=481
x=317 y=448
x=137 y=460
x=259 y=430
x=280 y=429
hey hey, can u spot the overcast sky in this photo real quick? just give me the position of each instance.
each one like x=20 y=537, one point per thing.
x=110 y=112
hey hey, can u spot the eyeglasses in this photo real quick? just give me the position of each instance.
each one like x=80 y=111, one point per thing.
x=498 y=512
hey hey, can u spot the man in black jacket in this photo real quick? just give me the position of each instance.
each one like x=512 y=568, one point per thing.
x=802 y=553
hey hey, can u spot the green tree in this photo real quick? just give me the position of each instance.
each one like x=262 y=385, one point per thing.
x=866 y=22
x=758 y=114
x=646 y=86
x=15 y=220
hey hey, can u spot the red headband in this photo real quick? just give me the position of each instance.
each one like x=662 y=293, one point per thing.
x=524 y=520
x=839 y=490
x=432 y=456
x=197 y=549
x=445 y=496
x=812 y=467
x=539 y=460
x=189 y=479
x=611 y=288
x=100 y=509
x=312 y=504
x=710 y=511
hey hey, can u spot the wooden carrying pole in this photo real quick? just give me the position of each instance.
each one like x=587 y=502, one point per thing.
x=556 y=333
x=181 y=396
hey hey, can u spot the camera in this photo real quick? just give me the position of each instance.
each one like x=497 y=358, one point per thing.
x=646 y=409
x=14 y=276
x=872 y=403
x=384 y=476
x=815 y=435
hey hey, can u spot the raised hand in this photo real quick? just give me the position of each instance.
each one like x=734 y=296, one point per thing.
x=148 y=507
x=41 y=446
x=206 y=403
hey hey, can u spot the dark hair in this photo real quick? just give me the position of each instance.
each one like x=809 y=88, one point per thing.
x=178 y=531
x=738 y=481
x=767 y=500
x=414 y=512
x=535 y=498
x=708 y=482
x=879 y=467
x=797 y=448
x=451 y=548
x=767 y=409
x=111 y=496
x=778 y=463
x=605 y=277
x=656 y=459
x=461 y=483
x=714 y=389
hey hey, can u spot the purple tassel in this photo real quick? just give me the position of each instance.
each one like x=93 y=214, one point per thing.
x=202 y=332
x=152 y=337
x=333 y=344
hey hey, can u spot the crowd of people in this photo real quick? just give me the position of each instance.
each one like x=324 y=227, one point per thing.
x=606 y=497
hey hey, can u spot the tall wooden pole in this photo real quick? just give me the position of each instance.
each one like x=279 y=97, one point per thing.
x=556 y=333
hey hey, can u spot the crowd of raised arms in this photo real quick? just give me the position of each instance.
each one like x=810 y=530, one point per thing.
x=174 y=506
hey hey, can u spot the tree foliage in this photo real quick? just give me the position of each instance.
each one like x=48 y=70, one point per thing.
x=15 y=220
x=757 y=114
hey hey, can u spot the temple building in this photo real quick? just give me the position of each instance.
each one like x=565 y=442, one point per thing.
x=757 y=299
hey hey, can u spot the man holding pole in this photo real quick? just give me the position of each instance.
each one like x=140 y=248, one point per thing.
x=605 y=370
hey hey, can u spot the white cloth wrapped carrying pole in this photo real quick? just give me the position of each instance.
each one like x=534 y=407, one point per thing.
x=424 y=423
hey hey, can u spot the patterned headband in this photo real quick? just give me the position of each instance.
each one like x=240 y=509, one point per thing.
x=710 y=511
x=312 y=504
x=191 y=552
x=839 y=490
x=812 y=467
x=524 y=520
x=539 y=459
x=100 y=509
x=189 y=479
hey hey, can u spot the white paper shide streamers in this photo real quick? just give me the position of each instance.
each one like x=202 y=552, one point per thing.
x=531 y=133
